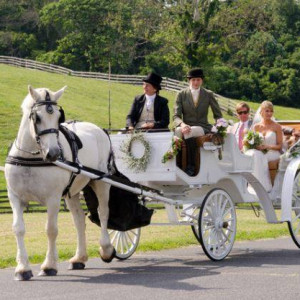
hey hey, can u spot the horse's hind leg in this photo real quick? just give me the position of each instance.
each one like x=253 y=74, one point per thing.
x=49 y=266
x=22 y=271
x=79 y=259
x=101 y=189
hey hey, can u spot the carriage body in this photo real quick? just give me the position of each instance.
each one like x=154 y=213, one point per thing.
x=219 y=185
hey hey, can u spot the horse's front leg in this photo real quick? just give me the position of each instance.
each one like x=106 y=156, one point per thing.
x=79 y=259
x=49 y=266
x=107 y=251
x=23 y=270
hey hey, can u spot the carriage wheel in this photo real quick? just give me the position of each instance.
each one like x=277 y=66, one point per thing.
x=294 y=224
x=195 y=227
x=125 y=242
x=217 y=224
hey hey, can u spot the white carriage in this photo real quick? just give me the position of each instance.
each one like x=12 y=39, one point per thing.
x=207 y=201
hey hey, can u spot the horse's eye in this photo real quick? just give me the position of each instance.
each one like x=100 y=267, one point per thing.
x=37 y=119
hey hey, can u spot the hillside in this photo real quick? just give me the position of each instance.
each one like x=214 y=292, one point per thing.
x=84 y=99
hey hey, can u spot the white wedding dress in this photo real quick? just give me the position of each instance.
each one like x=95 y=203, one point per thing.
x=260 y=160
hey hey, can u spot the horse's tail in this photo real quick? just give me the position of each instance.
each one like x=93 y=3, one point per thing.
x=111 y=162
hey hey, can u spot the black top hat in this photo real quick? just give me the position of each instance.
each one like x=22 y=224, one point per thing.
x=195 y=73
x=153 y=79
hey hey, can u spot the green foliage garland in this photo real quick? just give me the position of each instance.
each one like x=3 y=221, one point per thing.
x=134 y=163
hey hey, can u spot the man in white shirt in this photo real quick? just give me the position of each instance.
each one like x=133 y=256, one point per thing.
x=149 y=110
x=239 y=128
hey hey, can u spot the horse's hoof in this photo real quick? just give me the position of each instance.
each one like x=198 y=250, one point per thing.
x=48 y=272
x=76 y=266
x=108 y=260
x=23 y=276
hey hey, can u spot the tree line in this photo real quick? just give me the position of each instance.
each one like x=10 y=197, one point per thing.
x=249 y=49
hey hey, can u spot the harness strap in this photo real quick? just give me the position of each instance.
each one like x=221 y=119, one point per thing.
x=27 y=162
x=75 y=145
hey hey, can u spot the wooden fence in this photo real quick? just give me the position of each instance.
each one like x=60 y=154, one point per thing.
x=32 y=206
x=168 y=84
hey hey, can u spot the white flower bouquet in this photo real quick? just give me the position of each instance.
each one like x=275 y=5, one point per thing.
x=252 y=140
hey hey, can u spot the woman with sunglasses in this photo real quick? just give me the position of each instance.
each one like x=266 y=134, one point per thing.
x=270 y=149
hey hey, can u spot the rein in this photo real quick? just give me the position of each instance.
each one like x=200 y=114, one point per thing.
x=27 y=162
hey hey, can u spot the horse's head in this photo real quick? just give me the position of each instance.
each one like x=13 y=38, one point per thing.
x=45 y=116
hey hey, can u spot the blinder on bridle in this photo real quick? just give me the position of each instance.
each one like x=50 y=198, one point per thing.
x=49 y=109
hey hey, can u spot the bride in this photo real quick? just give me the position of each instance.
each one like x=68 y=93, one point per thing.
x=272 y=134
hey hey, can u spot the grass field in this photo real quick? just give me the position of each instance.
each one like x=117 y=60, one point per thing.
x=249 y=227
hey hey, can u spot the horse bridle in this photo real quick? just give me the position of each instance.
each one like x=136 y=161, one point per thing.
x=49 y=109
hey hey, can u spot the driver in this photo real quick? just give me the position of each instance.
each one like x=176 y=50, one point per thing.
x=149 y=110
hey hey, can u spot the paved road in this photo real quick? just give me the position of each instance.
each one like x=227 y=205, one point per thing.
x=268 y=269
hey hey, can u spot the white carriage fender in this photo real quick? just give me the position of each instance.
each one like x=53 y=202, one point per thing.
x=287 y=189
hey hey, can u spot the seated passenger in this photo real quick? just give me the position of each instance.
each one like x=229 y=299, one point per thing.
x=238 y=129
x=149 y=110
x=290 y=137
x=191 y=112
x=272 y=133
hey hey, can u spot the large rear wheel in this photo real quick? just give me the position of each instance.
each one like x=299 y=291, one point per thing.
x=125 y=242
x=294 y=224
x=217 y=224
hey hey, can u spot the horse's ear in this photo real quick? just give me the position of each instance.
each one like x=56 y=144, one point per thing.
x=33 y=93
x=58 y=94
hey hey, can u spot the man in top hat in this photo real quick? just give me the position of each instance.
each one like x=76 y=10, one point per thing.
x=149 y=110
x=191 y=112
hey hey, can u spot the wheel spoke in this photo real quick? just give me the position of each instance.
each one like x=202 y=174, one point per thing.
x=118 y=240
x=209 y=227
x=217 y=211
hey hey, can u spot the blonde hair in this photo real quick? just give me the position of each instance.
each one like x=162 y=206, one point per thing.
x=242 y=105
x=265 y=105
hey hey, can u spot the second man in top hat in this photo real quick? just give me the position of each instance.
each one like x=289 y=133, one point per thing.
x=149 y=110
x=191 y=114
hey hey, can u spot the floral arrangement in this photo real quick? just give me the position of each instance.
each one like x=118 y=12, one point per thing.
x=220 y=127
x=252 y=140
x=135 y=163
x=175 y=148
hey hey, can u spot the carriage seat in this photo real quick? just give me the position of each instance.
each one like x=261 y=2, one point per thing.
x=181 y=159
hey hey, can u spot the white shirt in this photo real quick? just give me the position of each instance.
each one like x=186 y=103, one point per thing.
x=149 y=100
x=238 y=129
x=195 y=94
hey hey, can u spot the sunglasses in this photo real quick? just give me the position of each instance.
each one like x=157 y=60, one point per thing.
x=243 y=112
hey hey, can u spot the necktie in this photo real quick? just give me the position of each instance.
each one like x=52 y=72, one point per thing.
x=241 y=136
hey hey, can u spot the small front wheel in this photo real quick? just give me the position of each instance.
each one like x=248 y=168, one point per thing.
x=125 y=242
x=217 y=224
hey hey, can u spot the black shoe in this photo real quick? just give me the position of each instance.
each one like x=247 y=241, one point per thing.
x=191 y=147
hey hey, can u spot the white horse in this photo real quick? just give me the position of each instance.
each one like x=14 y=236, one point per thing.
x=39 y=142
